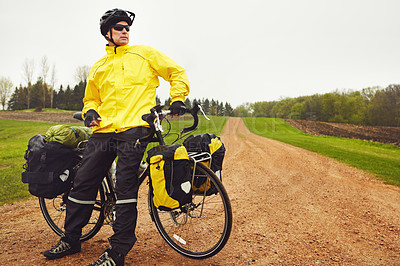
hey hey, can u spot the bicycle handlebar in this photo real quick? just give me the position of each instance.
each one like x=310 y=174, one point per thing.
x=78 y=115
x=157 y=112
x=193 y=112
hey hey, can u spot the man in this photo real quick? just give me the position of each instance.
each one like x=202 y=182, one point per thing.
x=121 y=88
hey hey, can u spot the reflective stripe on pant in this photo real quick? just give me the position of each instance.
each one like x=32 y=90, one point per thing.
x=99 y=155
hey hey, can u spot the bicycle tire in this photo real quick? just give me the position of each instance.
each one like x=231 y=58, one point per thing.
x=193 y=239
x=54 y=211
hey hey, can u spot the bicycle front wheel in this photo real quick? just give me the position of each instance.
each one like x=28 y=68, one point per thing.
x=54 y=211
x=201 y=229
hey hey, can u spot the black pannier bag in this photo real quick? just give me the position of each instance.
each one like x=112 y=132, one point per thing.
x=49 y=168
x=170 y=176
x=213 y=145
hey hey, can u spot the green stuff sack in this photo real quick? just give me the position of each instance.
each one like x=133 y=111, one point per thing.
x=170 y=176
x=69 y=136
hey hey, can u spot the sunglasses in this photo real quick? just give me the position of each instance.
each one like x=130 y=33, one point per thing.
x=120 y=27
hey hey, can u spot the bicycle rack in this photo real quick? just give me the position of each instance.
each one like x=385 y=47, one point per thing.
x=199 y=157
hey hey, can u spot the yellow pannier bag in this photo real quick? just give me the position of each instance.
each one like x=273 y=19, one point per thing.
x=170 y=176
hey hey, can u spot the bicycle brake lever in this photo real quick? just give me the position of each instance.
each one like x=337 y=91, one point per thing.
x=204 y=114
x=137 y=143
x=157 y=124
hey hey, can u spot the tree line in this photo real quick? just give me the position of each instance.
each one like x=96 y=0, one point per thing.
x=40 y=96
x=371 y=106
x=43 y=94
x=71 y=99
x=210 y=107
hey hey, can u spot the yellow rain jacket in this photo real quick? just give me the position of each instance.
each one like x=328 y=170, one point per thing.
x=122 y=86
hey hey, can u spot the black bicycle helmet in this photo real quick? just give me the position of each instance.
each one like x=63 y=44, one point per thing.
x=113 y=16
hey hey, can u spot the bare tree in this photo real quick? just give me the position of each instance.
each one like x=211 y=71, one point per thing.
x=5 y=90
x=53 y=84
x=45 y=70
x=28 y=70
x=82 y=73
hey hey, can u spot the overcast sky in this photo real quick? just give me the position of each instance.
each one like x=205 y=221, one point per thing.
x=234 y=51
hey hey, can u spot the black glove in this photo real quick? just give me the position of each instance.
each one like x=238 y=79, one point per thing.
x=90 y=116
x=177 y=108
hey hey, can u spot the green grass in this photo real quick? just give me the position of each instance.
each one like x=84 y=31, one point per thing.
x=14 y=137
x=379 y=159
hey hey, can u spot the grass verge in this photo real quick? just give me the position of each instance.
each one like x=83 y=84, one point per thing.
x=14 y=137
x=379 y=159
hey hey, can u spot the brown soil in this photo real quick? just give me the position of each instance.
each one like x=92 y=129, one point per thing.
x=387 y=135
x=290 y=207
x=53 y=117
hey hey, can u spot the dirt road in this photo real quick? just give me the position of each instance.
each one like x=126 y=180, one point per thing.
x=290 y=207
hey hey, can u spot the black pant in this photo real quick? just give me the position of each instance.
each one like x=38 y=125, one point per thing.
x=101 y=150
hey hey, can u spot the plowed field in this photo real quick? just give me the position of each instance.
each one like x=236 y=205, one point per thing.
x=387 y=135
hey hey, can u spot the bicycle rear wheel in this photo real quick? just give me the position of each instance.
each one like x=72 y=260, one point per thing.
x=54 y=211
x=201 y=229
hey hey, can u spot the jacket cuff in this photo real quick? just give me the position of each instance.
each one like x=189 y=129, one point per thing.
x=178 y=98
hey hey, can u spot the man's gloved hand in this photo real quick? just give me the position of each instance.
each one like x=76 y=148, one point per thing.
x=177 y=108
x=92 y=118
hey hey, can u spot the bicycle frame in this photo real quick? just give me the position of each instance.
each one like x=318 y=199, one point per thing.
x=108 y=185
x=154 y=120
